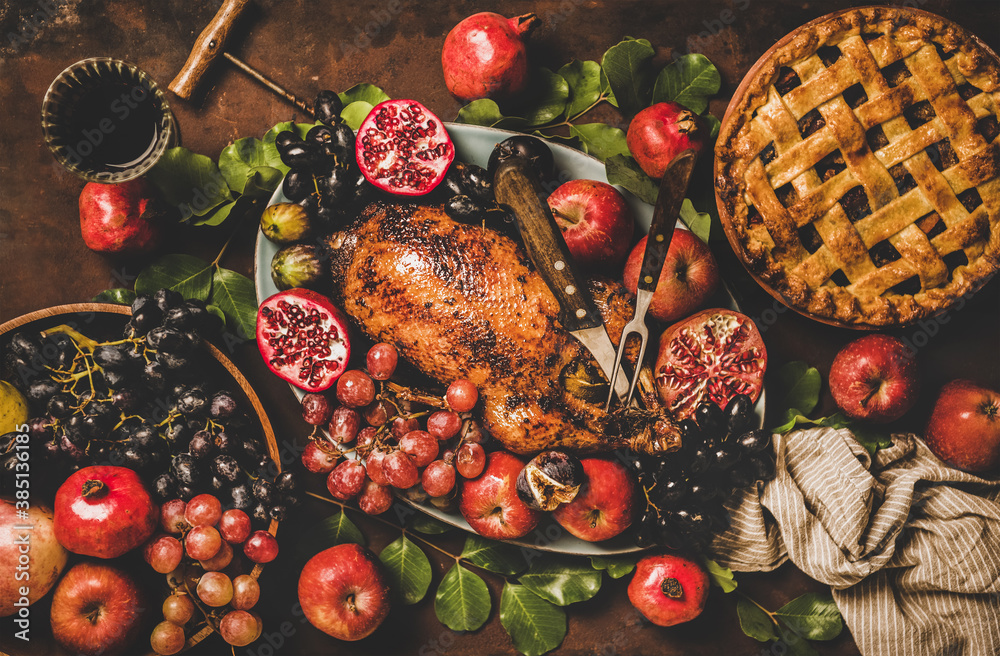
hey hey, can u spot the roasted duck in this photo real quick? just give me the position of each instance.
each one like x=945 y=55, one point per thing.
x=463 y=301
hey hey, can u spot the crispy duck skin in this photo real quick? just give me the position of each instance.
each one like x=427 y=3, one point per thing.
x=462 y=301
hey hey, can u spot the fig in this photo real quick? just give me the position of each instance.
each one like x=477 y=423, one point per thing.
x=285 y=223
x=531 y=148
x=299 y=265
x=484 y=56
x=550 y=479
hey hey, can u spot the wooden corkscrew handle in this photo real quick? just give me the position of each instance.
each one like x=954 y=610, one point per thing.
x=207 y=48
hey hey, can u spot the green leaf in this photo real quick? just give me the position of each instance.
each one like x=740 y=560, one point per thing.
x=798 y=386
x=813 y=616
x=713 y=125
x=795 y=645
x=190 y=182
x=118 y=296
x=261 y=182
x=700 y=223
x=211 y=309
x=234 y=294
x=493 y=556
x=689 y=80
x=562 y=581
x=870 y=438
x=427 y=525
x=625 y=171
x=600 y=140
x=462 y=602
x=222 y=212
x=480 y=112
x=616 y=566
x=363 y=92
x=754 y=621
x=551 y=92
x=407 y=568
x=186 y=274
x=238 y=159
x=355 y=113
x=606 y=89
x=535 y=625
x=335 y=529
x=720 y=576
x=629 y=71
x=584 y=80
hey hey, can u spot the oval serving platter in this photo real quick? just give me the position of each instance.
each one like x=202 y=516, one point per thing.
x=473 y=144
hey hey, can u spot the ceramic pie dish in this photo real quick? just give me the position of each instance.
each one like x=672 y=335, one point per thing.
x=857 y=168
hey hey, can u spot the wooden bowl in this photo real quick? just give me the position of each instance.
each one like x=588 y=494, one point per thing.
x=100 y=316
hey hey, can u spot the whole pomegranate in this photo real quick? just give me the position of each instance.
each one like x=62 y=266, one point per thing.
x=710 y=356
x=662 y=131
x=104 y=511
x=126 y=218
x=45 y=564
x=668 y=589
x=303 y=339
x=403 y=148
x=484 y=56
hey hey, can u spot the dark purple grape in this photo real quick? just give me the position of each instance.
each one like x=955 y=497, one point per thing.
x=327 y=107
x=737 y=413
x=297 y=185
x=723 y=458
x=755 y=441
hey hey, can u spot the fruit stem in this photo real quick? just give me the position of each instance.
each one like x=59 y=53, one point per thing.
x=874 y=390
x=774 y=620
x=92 y=488
x=79 y=338
x=409 y=394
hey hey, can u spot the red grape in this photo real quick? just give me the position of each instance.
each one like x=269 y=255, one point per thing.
x=381 y=361
x=178 y=608
x=420 y=445
x=261 y=547
x=220 y=560
x=167 y=638
x=163 y=553
x=400 y=470
x=373 y=465
x=401 y=426
x=461 y=396
x=374 y=499
x=172 y=516
x=448 y=456
x=366 y=438
x=444 y=424
x=246 y=592
x=202 y=542
x=344 y=425
x=355 y=389
x=215 y=589
x=319 y=459
x=346 y=480
x=316 y=409
x=203 y=510
x=239 y=628
x=438 y=479
x=377 y=413
x=234 y=526
x=470 y=460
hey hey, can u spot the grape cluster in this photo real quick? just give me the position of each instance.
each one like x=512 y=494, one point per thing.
x=146 y=402
x=394 y=449
x=196 y=552
x=686 y=490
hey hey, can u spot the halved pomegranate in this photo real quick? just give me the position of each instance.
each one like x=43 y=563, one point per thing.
x=403 y=148
x=710 y=356
x=303 y=339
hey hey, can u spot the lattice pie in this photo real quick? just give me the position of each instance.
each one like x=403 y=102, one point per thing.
x=857 y=167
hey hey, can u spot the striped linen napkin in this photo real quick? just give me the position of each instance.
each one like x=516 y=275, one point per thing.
x=910 y=546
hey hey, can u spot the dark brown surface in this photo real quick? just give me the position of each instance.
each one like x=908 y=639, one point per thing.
x=307 y=46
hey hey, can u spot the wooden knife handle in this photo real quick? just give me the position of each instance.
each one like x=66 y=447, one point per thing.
x=665 y=212
x=517 y=186
x=207 y=48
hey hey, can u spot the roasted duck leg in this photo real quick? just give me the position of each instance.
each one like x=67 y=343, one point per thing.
x=462 y=301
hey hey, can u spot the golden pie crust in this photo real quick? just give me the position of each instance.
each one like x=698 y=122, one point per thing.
x=857 y=167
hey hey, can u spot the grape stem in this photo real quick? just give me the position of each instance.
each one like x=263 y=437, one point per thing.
x=410 y=394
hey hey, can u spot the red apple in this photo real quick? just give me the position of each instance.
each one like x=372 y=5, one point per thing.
x=689 y=276
x=668 y=589
x=104 y=511
x=32 y=557
x=964 y=428
x=595 y=221
x=343 y=592
x=874 y=378
x=490 y=503
x=121 y=218
x=605 y=505
x=96 y=609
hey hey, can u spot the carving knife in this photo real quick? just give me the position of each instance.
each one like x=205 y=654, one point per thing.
x=516 y=185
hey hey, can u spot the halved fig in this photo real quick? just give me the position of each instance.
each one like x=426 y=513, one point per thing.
x=710 y=356
x=403 y=148
x=303 y=339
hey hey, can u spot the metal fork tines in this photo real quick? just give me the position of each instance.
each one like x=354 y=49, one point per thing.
x=637 y=326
